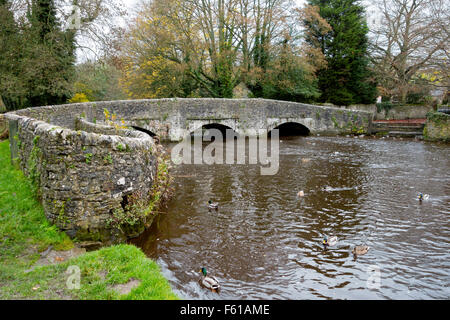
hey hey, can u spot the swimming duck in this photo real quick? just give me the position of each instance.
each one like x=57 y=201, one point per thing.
x=300 y=193
x=213 y=205
x=329 y=242
x=360 y=250
x=422 y=196
x=209 y=282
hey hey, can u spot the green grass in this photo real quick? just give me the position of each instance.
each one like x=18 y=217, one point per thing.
x=24 y=232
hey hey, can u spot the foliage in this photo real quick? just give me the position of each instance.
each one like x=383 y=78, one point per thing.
x=97 y=81
x=138 y=207
x=411 y=42
x=438 y=117
x=12 y=89
x=437 y=127
x=36 y=61
x=205 y=49
x=111 y=120
x=79 y=97
x=37 y=51
x=288 y=71
x=287 y=78
x=384 y=105
x=347 y=79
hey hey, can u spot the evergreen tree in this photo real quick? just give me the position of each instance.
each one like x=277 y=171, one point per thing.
x=11 y=87
x=346 y=80
x=49 y=59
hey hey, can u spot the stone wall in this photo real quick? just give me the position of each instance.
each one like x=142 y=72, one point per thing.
x=171 y=119
x=396 y=113
x=85 y=178
x=3 y=127
x=437 y=127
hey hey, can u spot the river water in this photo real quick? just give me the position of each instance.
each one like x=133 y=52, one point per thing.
x=264 y=242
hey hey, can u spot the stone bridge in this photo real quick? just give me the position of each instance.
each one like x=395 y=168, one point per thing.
x=90 y=172
x=172 y=119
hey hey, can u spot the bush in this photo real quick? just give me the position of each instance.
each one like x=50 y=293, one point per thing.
x=385 y=105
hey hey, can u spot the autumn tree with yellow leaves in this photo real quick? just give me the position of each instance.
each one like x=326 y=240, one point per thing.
x=187 y=48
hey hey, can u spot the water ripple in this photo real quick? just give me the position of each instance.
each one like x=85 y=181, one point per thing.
x=264 y=242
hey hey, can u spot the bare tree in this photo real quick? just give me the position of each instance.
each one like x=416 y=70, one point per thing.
x=411 y=36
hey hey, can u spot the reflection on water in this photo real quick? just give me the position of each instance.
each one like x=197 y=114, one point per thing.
x=264 y=242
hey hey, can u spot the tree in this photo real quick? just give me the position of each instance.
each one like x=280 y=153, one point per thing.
x=413 y=36
x=37 y=51
x=48 y=56
x=206 y=48
x=97 y=81
x=11 y=87
x=347 y=78
x=290 y=67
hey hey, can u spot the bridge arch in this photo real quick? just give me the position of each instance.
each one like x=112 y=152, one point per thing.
x=290 y=128
x=149 y=132
x=193 y=125
x=223 y=128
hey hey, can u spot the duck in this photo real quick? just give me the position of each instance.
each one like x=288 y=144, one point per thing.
x=329 y=242
x=213 y=205
x=209 y=282
x=300 y=193
x=360 y=250
x=422 y=196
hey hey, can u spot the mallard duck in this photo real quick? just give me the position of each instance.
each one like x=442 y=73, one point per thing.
x=209 y=282
x=360 y=250
x=422 y=196
x=213 y=205
x=329 y=242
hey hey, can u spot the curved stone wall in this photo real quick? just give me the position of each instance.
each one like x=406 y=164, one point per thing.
x=84 y=176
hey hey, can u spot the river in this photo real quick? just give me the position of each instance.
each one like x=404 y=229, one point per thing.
x=265 y=242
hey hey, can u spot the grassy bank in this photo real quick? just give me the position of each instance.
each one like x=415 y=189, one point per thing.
x=25 y=233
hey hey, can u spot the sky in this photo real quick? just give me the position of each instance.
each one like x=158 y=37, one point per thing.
x=132 y=4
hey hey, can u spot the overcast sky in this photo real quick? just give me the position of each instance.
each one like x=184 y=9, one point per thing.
x=132 y=4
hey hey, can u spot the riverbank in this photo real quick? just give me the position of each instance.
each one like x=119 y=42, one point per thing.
x=116 y=272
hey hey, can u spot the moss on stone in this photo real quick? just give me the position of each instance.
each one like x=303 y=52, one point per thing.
x=437 y=127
